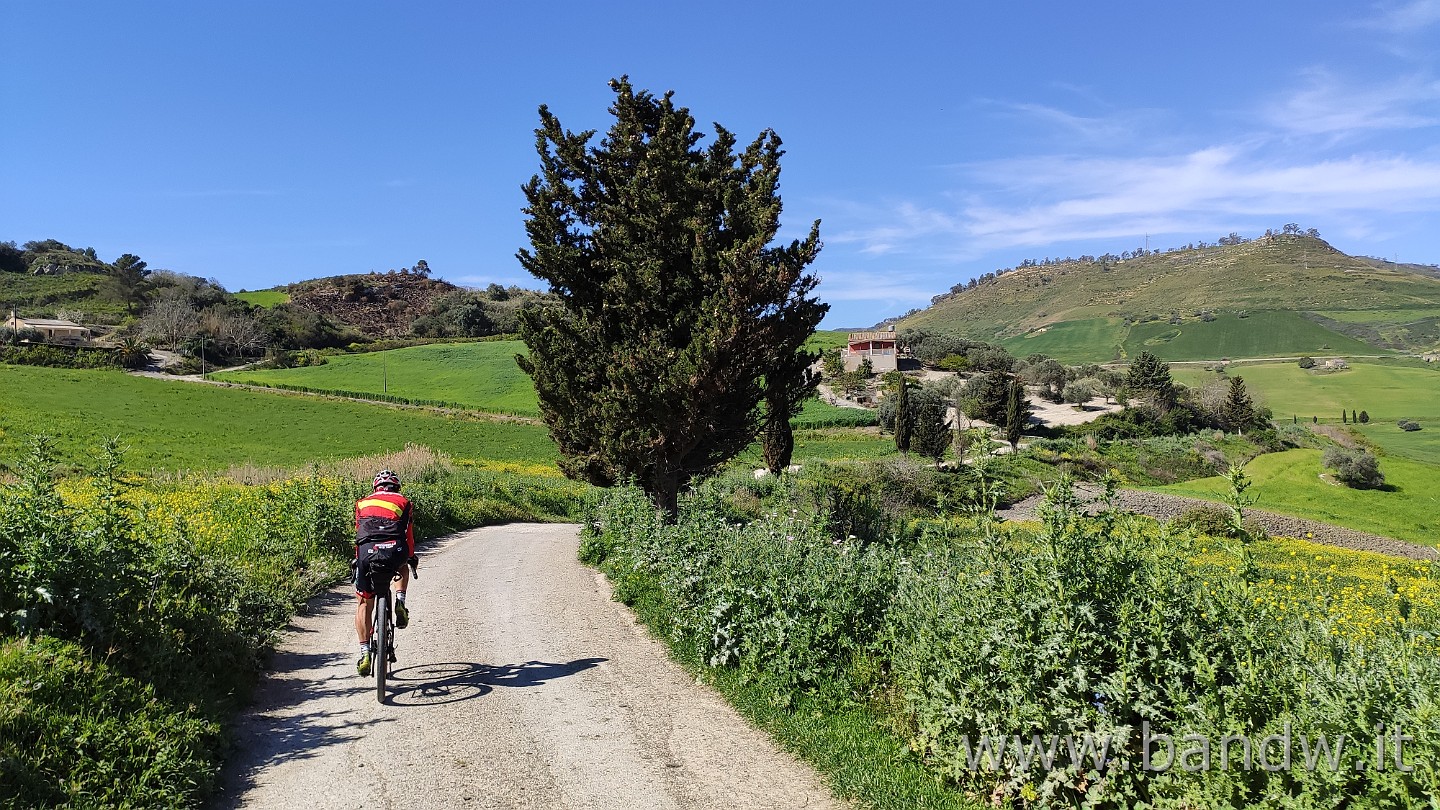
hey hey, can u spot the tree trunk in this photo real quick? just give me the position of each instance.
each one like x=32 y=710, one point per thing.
x=666 y=496
x=779 y=445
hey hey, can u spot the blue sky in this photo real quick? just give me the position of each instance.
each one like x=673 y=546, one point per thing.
x=259 y=143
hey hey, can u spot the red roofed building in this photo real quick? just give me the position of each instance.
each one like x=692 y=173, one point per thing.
x=878 y=347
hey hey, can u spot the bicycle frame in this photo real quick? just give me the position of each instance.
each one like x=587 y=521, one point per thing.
x=382 y=638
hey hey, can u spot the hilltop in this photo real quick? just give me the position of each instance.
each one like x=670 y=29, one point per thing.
x=1285 y=294
x=47 y=278
x=375 y=304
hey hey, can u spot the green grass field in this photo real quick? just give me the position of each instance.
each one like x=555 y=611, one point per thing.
x=1386 y=392
x=175 y=425
x=830 y=444
x=1261 y=334
x=481 y=375
x=263 y=298
x=1420 y=445
x=1090 y=340
x=826 y=339
x=1290 y=483
x=171 y=425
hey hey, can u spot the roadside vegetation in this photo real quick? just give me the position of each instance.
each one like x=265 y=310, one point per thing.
x=136 y=611
x=940 y=627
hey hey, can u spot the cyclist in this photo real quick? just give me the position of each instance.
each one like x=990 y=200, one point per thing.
x=384 y=543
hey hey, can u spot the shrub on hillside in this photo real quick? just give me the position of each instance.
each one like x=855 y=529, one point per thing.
x=1307 y=362
x=1408 y=424
x=1140 y=422
x=954 y=362
x=1208 y=520
x=1355 y=468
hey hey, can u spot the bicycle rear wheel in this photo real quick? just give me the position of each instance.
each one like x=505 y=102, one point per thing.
x=380 y=656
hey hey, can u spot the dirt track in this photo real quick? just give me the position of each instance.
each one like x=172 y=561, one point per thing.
x=520 y=684
x=1168 y=507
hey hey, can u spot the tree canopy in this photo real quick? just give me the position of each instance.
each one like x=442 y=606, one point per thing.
x=1151 y=376
x=1238 y=411
x=672 y=312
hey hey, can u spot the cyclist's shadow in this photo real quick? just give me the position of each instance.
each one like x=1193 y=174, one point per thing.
x=434 y=684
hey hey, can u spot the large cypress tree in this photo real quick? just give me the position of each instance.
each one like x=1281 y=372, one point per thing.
x=788 y=383
x=904 y=420
x=1017 y=413
x=673 y=315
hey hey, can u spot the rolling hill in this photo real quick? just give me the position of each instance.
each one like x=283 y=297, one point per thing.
x=1279 y=295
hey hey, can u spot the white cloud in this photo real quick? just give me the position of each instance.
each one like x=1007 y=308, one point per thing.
x=868 y=285
x=1328 y=106
x=1069 y=123
x=1405 y=18
x=1207 y=190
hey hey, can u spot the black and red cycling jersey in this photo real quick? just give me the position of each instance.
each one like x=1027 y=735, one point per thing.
x=383 y=516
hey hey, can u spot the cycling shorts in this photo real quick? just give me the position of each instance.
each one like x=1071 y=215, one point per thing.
x=376 y=563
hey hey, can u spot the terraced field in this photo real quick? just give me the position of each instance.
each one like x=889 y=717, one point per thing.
x=173 y=425
x=482 y=376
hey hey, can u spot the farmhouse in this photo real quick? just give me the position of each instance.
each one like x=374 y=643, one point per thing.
x=51 y=331
x=1336 y=362
x=878 y=347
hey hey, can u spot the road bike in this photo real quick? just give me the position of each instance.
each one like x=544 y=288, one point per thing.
x=382 y=634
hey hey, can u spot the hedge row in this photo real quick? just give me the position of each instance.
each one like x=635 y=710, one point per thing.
x=370 y=396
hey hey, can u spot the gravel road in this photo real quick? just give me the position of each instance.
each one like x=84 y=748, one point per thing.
x=520 y=684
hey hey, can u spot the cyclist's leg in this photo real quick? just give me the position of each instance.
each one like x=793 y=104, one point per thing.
x=402 y=611
x=363 y=610
x=364 y=607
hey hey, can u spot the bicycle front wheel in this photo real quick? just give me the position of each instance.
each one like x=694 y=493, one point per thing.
x=381 y=656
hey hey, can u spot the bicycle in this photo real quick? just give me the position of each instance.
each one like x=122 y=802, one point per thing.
x=382 y=634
